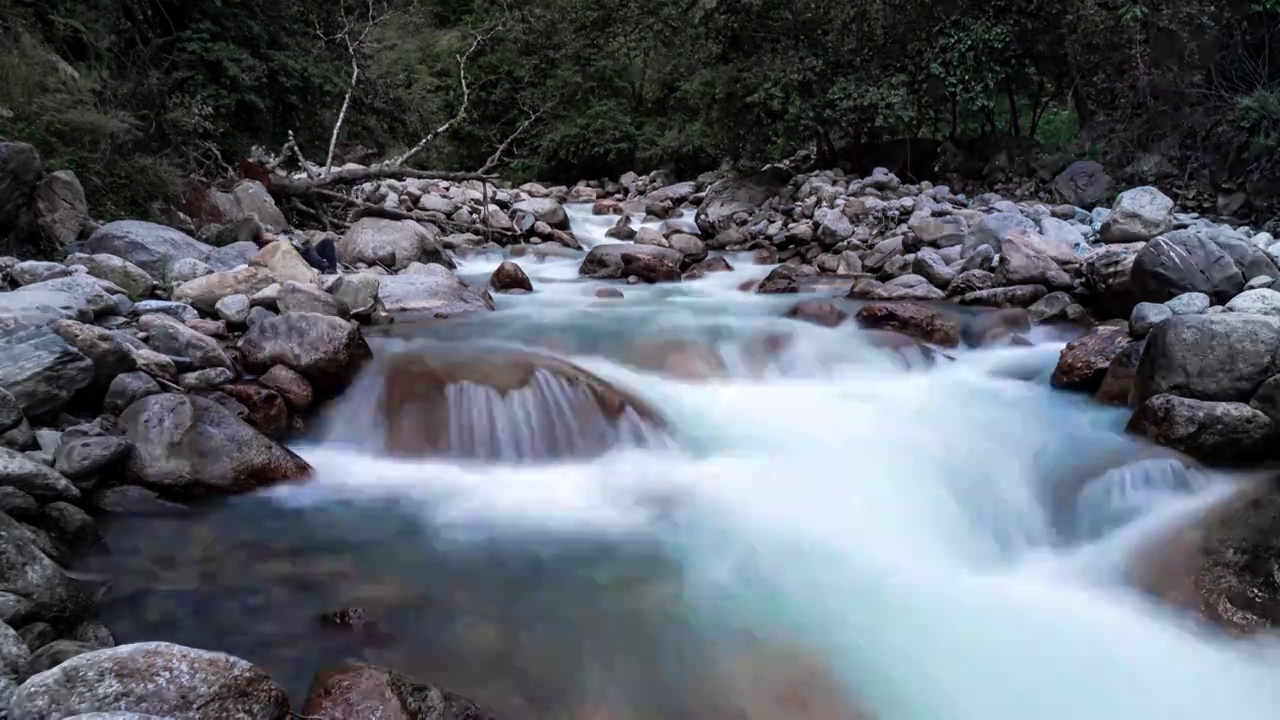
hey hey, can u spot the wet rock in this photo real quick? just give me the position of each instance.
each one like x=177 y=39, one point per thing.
x=818 y=312
x=70 y=525
x=1014 y=296
x=39 y=368
x=152 y=247
x=993 y=326
x=983 y=258
x=1223 y=357
x=1117 y=384
x=203 y=293
x=82 y=287
x=1213 y=432
x=907 y=287
x=435 y=292
x=134 y=500
x=170 y=337
x=326 y=350
x=911 y=319
x=1107 y=278
x=780 y=280
x=1137 y=216
x=1084 y=361
x=258 y=314
x=191 y=446
x=608 y=293
x=622 y=260
x=54 y=654
x=364 y=691
x=33 y=478
x=710 y=265
x=296 y=297
x=267 y=411
x=545 y=210
x=110 y=354
x=567 y=412
x=152 y=678
x=393 y=244
x=1146 y=316
x=37 y=634
x=10 y=411
x=135 y=281
x=1185 y=261
x=1051 y=308
x=730 y=196
x=284 y=263
x=175 y=310
x=126 y=389
x=82 y=457
x=510 y=277
x=292 y=386
x=32 y=586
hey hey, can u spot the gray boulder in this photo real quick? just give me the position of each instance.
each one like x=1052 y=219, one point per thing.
x=744 y=195
x=39 y=368
x=1227 y=433
x=1192 y=303
x=150 y=246
x=993 y=229
x=327 y=350
x=1146 y=316
x=1263 y=301
x=1083 y=183
x=170 y=337
x=621 y=260
x=203 y=293
x=153 y=678
x=546 y=210
x=190 y=446
x=33 y=587
x=135 y=281
x=433 y=293
x=1223 y=357
x=392 y=244
x=1137 y=216
x=81 y=287
x=35 y=479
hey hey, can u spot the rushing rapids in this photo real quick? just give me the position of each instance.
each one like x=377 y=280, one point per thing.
x=761 y=518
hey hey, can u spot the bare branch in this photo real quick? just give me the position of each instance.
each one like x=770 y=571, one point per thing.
x=497 y=154
x=342 y=112
x=462 y=108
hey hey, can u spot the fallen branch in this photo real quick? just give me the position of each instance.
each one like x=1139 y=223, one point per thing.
x=285 y=186
x=497 y=154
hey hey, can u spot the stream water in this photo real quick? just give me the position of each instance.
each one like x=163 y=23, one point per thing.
x=833 y=533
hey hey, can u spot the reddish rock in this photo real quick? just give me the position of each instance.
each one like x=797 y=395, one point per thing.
x=818 y=312
x=364 y=691
x=912 y=319
x=267 y=410
x=510 y=277
x=294 y=388
x=1084 y=361
x=709 y=265
x=606 y=206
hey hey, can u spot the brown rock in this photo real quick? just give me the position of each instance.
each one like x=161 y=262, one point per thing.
x=267 y=410
x=990 y=326
x=290 y=384
x=1117 y=384
x=780 y=280
x=710 y=265
x=1084 y=361
x=509 y=277
x=326 y=350
x=364 y=691
x=911 y=319
x=818 y=312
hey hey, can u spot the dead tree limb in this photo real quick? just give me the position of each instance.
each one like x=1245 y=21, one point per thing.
x=496 y=157
x=286 y=186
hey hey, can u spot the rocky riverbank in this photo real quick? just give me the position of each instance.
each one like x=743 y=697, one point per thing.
x=154 y=366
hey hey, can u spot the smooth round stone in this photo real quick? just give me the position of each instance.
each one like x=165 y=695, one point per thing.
x=1192 y=303
x=1146 y=316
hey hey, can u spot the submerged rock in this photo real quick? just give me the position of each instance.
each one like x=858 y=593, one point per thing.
x=650 y=263
x=501 y=405
x=913 y=319
x=1084 y=361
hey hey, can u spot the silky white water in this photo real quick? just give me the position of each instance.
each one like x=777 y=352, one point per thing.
x=901 y=526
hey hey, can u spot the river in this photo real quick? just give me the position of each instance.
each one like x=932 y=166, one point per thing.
x=830 y=531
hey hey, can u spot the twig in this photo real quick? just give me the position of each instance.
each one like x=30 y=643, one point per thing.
x=497 y=154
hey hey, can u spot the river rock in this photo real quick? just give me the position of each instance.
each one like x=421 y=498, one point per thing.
x=907 y=287
x=191 y=446
x=231 y=256
x=285 y=263
x=818 y=312
x=233 y=309
x=510 y=277
x=326 y=350
x=152 y=247
x=170 y=337
x=993 y=229
x=291 y=385
x=1051 y=308
x=1083 y=183
x=1146 y=316
x=81 y=287
x=1084 y=361
x=1025 y=261
x=152 y=678
x=745 y=195
x=364 y=691
x=1107 y=277
x=622 y=260
x=177 y=310
x=203 y=293
x=971 y=281
x=1192 y=303
x=930 y=266
x=1137 y=216
x=83 y=457
x=359 y=291
x=296 y=297
x=29 y=272
x=127 y=388
x=392 y=244
x=1263 y=301
x=14 y=652
x=567 y=411
x=33 y=587
x=940 y=232
x=1223 y=357
x=39 y=368
x=135 y=281
x=134 y=500
x=912 y=319
x=780 y=281
x=108 y=351
x=1117 y=384
x=33 y=478
x=1013 y=296
x=433 y=293
x=267 y=410
x=1185 y=261
x=1213 y=432
x=545 y=210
